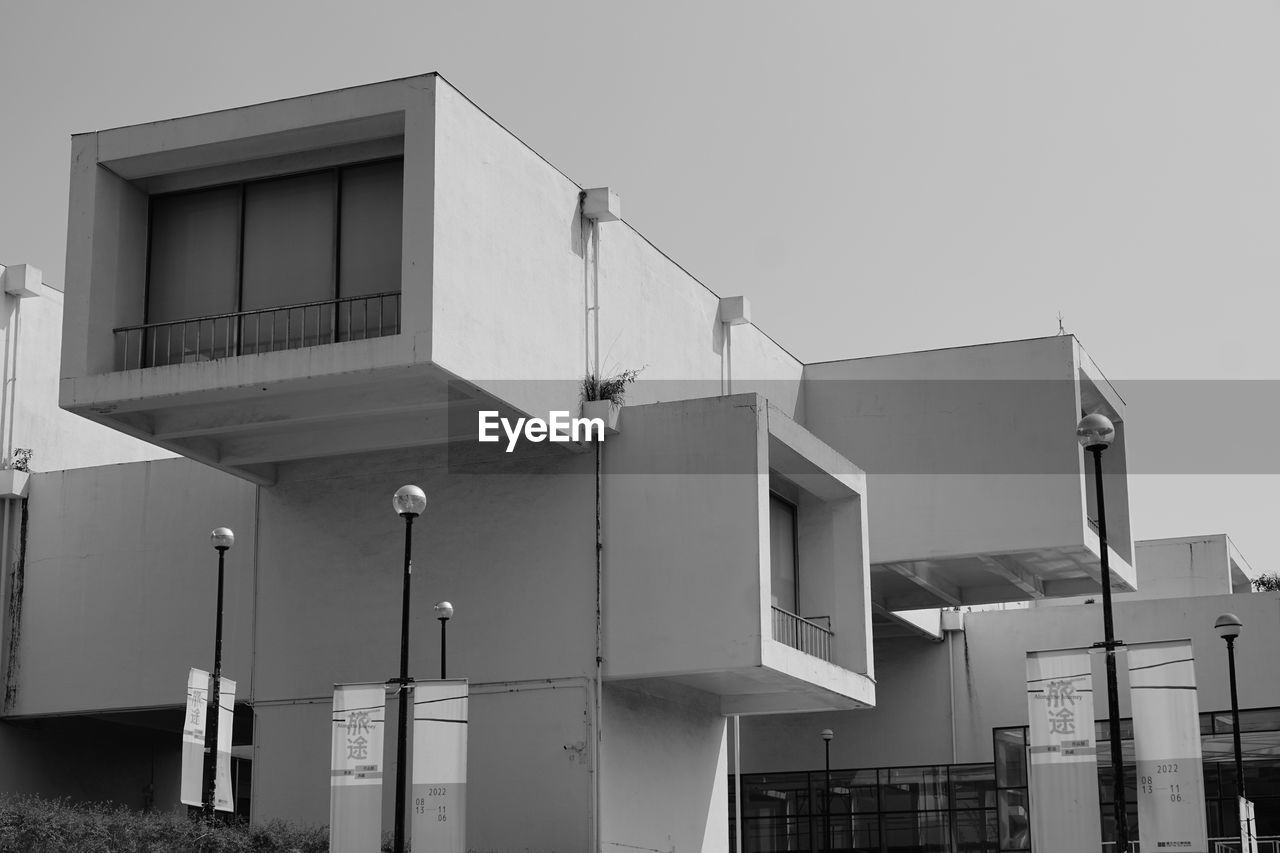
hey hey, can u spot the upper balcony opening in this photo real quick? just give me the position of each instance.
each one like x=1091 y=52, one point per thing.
x=270 y=264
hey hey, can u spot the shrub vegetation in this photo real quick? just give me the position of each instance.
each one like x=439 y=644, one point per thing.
x=37 y=825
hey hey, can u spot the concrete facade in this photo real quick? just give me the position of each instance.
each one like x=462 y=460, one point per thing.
x=949 y=695
x=616 y=601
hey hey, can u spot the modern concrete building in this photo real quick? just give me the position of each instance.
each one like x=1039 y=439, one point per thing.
x=940 y=763
x=314 y=300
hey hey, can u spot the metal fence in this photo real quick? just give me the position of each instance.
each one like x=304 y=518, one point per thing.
x=1268 y=844
x=801 y=633
x=216 y=336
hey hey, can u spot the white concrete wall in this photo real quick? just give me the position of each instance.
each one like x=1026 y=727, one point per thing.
x=666 y=765
x=529 y=765
x=967 y=451
x=909 y=724
x=30 y=329
x=120 y=585
x=684 y=574
x=1169 y=568
x=514 y=265
x=513 y=551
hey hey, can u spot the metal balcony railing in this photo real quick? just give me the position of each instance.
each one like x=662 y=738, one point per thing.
x=309 y=324
x=803 y=634
x=1266 y=844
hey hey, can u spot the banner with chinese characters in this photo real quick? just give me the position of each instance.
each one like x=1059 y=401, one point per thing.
x=1063 y=756
x=355 y=784
x=440 y=765
x=192 y=791
x=222 y=799
x=1166 y=746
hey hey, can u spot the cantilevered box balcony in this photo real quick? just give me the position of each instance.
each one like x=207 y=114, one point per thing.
x=735 y=558
x=317 y=276
x=980 y=492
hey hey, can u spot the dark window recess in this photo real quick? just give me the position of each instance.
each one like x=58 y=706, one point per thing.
x=272 y=264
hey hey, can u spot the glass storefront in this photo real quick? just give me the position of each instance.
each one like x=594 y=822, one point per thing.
x=974 y=808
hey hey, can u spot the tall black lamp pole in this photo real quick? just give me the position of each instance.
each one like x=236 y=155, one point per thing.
x=827 y=735
x=409 y=502
x=444 y=612
x=1229 y=627
x=1095 y=434
x=222 y=539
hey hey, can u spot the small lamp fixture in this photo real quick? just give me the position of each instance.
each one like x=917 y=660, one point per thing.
x=827 y=734
x=409 y=501
x=1095 y=432
x=1228 y=626
x=444 y=611
x=222 y=538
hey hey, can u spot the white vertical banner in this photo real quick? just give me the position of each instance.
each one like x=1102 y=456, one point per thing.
x=1063 y=765
x=192 y=793
x=222 y=799
x=1166 y=745
x=1248 y=825
x=194 y=726
x=355 y=779
x=440 y=765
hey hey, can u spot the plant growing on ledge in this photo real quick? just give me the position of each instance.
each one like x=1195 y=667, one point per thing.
x=613 y=389
x=21 y=459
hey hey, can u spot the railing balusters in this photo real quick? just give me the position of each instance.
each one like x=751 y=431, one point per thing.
x=206 y=348
x=802 y=634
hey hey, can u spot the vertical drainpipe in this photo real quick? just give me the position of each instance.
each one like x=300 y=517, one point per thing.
x=952 y=623
x=737 y=782
x=598 y=205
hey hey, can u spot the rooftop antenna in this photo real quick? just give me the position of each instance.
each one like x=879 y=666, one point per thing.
x=1061 y=330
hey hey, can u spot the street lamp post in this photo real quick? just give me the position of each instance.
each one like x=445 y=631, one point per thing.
x=222 y=539
x=827 y=735
x=409 y=502
x=1095 y=433
x=1229 y=626
x=444 y=612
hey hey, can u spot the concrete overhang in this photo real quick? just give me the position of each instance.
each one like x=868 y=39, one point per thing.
x=692 y=479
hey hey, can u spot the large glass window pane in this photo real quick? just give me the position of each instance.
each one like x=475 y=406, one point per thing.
x=1266 y=811
x=775 y=795
x=921 y=832
x=775 y=835
x=193 y=264
x=973 y=786
x=976 y=830
x=782 y=553
x=1011 y=757
x=914 y=789
x=1107 y=813
x=1015 y=819
x=372 y=199
x=1261 y=776
x=288 y=258
x=1254 y=720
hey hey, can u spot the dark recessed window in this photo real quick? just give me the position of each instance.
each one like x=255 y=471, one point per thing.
x=271 y=264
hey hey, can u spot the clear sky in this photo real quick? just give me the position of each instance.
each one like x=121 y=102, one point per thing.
x=875 y=176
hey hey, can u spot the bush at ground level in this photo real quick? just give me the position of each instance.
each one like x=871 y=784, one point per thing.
x=36 y=825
